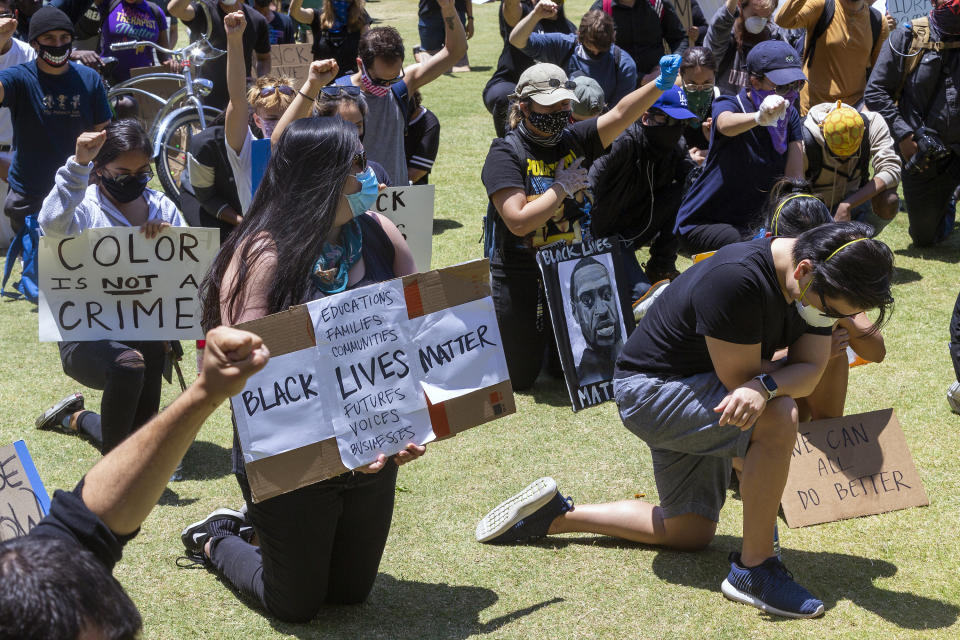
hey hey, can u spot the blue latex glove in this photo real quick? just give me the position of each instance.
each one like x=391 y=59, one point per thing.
x=669 y=68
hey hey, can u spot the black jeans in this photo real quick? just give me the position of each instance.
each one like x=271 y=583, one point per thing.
x=928 y=198
x=709 y=237
x=524 y=319
x=496 y=97
x=130 y=374
x=319 y=545
x=955 y=338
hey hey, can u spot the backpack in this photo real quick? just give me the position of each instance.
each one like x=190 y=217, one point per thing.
x=920 y=42
x=829 y=7
x=814 y=153
x=617 y=55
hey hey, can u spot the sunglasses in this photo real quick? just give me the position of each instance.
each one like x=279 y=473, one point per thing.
x=124 y=178
x=784 y=89
x=270 y=89
x=698 y=87
x=334 y=91
x=553 y=83
x=830 y=313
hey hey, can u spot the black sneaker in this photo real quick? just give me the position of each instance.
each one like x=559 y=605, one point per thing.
x=770 y=587
x=525 y=516
x=52 y=418
x=220 y=523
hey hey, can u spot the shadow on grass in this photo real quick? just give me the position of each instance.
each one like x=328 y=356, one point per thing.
x=170 y=498
x=548 y=390
x=406 y=610
x=445 y=224
x=830 y=576
x=947 y=251
x=206 y=461
x=905 y=276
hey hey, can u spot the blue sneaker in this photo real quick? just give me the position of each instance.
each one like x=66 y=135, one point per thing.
x=525 y=516
x=771 y=588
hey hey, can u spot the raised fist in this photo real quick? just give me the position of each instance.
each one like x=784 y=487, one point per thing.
x=88 y=146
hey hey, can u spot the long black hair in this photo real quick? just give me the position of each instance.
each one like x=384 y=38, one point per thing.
x=123 y=136
x=291 y=215
x=849 y=264
x=792 y=209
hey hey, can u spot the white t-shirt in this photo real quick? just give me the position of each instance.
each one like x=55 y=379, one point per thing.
x=19 y=53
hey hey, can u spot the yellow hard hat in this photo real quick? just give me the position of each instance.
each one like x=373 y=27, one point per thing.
x=843 y=130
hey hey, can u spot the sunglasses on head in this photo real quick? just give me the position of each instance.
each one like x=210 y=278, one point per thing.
x=553 y=83
x=334 y=90
x=270 y=89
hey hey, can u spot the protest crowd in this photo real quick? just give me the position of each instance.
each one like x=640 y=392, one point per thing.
x=768 y=144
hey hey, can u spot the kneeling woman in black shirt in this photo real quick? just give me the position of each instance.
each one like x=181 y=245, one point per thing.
x=536 y=178
x=309 y=234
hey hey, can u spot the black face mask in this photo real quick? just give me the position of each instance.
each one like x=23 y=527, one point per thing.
x=663 y=138
x=55 y=56
x=126 y=188
x=550 y=123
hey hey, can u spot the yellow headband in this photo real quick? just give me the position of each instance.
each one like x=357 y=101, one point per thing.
x=776 y=214
x=844 y=246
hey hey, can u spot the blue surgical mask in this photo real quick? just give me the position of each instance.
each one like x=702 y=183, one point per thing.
x=363 y=200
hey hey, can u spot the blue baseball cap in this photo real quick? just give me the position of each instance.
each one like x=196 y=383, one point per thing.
x=673 y=102
x=776 y=60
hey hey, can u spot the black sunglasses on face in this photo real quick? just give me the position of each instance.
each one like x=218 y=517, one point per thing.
x=830 y=313
x=335 y=90
x=124 y=178
x=784 y=89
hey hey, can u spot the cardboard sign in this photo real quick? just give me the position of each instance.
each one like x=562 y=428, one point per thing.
x=411 y=209
x=591 y=320
x=684 y=12
x=23 y=499
x=291 y=60
x=906 y=10
x=113 y=283
x=366 y=371
x=852 y=466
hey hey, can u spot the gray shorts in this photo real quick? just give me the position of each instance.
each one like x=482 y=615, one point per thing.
x=692 y=454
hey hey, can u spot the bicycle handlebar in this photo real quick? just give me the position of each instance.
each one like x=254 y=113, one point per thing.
x=125 y=46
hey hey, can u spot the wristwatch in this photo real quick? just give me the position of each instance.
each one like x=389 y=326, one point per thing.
x=769 y=384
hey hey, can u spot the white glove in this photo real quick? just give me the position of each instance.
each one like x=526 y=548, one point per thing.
x=772 y=109
x=573 y=178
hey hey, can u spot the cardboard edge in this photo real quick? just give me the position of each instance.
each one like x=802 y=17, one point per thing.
x=296 y=468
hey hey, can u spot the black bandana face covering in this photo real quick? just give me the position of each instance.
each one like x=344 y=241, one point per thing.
x=125 y=188
x=550 y=123
x=55 y=56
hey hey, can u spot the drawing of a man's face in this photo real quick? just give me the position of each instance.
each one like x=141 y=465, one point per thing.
x=595 y=305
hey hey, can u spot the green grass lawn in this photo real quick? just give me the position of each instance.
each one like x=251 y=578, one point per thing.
x=887 y=576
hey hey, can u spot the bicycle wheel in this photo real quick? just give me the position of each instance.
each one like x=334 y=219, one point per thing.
x=171 y=153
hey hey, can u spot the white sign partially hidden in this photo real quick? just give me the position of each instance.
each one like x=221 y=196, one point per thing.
x=411 y=209
x=904 y=11
x=114 y=283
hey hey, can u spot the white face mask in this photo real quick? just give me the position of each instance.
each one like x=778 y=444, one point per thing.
x=810 y=314
x=755 y=24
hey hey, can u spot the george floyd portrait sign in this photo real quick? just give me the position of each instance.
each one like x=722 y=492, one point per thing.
x=590 y=319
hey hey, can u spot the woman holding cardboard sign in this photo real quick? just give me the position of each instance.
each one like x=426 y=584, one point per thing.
x=309 y=234
x=129 y=373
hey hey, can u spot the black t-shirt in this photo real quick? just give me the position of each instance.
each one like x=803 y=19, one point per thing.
x=422 y=143
x=282 y=30
x=513 y=61
x=340 y=44
x=533 y=171
x=733 y=295
x=70 y=520
x=256 y=37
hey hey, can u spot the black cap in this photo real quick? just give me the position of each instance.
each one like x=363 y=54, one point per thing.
x=48 y=19
x=776 y=60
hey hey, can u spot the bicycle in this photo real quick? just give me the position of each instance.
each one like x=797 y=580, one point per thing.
x=180 y=116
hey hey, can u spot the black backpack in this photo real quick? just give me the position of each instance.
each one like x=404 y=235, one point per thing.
x=829 y=7
x=814 y=153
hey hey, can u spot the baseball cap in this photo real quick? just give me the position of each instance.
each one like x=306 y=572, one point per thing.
x=673 y=102
x=776 y=60
x=48 y=19
x=545 y=84
x=590 y=98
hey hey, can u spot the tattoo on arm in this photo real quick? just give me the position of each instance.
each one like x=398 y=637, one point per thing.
x=449 y=21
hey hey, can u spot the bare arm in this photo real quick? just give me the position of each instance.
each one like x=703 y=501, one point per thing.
x=125 y=485
x=301 y=15
x=321 y=72
x=869 y=346
x=182 y=9
x=512 y=12
x=403 y=263
x=523 y=217
x=521 y=32
x=794 y=167
x=733 y=124
x=235 y=121
x=454 y=46
x=164 y=41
